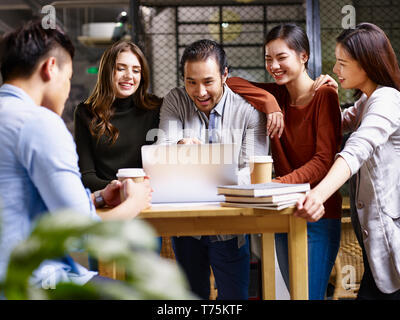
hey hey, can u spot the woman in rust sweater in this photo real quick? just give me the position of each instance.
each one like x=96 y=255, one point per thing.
x=305 y=151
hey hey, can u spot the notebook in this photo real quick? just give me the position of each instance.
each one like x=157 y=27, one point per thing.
x=190 y=173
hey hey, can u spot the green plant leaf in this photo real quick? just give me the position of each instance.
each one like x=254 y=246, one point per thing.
x=129 y=243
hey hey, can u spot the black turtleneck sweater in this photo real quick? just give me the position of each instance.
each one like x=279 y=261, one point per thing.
x=99 y=161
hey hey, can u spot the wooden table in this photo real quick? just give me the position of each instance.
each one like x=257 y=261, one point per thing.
x=171 y=220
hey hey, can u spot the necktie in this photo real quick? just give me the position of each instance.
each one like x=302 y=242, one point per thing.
x=211 y=128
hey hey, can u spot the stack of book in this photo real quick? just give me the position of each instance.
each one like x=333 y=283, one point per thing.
x=272 y=195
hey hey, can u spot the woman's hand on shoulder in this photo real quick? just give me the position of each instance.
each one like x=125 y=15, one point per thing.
x=325 y=79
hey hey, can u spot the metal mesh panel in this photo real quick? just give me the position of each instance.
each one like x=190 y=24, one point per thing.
x=241 y=29
x=383 y=13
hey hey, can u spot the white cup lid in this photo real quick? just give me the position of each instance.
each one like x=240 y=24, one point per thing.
x=258 y=159
x=130 y=173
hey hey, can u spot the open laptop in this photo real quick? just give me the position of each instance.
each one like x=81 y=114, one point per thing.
x=190 y=173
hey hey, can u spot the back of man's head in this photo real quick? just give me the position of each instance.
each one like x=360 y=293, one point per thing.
x=22 y=49
x=201 y=50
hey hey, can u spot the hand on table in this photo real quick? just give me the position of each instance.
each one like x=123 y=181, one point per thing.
x=310 y=207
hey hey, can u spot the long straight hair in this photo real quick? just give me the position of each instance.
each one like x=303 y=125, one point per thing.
x=371 y=48
x=103 y=95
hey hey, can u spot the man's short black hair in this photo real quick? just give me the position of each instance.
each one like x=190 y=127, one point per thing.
x=23 y=48
x=201 y=50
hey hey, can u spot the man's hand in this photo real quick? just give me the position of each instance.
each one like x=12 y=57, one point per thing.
x=137 y=198
x=111 y=193
x=189 y=141
x=275 y=124
x=138 y=193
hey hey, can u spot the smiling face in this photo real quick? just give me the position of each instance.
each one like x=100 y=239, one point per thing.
x=349 y=71
x=127 y=74
x=204 y=83
x=282 y=63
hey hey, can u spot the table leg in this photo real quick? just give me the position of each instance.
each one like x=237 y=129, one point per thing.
x=111 y=270
x=298 y=258
x=268 y=266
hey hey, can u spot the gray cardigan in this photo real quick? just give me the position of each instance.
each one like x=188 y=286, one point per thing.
x=373 y=152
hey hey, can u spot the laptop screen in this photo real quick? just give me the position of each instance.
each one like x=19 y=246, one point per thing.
x=190 y=173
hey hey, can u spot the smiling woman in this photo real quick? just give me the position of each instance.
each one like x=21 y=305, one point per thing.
x=127 y=74
x=350 y=73
x=111 y=125
x=307 y=147
x=366 y=62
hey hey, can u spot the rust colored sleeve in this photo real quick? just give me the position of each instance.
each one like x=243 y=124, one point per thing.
x=257 y=94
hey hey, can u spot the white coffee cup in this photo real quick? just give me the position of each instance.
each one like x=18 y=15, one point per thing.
x=135 y=174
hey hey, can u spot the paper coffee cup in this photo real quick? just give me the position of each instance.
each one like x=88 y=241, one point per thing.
x=135 y=174
x=260 y=169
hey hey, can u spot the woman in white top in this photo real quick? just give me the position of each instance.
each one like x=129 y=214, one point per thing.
x=365 y=61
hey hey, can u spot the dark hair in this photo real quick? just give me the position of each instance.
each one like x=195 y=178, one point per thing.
x=23 y=48
x=370 y=46
x=202 y=50
x=294 y=36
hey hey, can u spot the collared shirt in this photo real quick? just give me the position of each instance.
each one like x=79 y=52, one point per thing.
x=236 y=121
x=38 y=173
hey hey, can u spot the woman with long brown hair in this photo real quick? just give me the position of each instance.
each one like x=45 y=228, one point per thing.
x=366 y=62
x=112 y=124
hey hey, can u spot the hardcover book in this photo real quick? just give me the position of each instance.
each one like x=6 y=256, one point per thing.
x=264 y=200
x=263 y=189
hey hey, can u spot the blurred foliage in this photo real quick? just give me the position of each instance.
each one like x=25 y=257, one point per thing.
x=131 y=244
